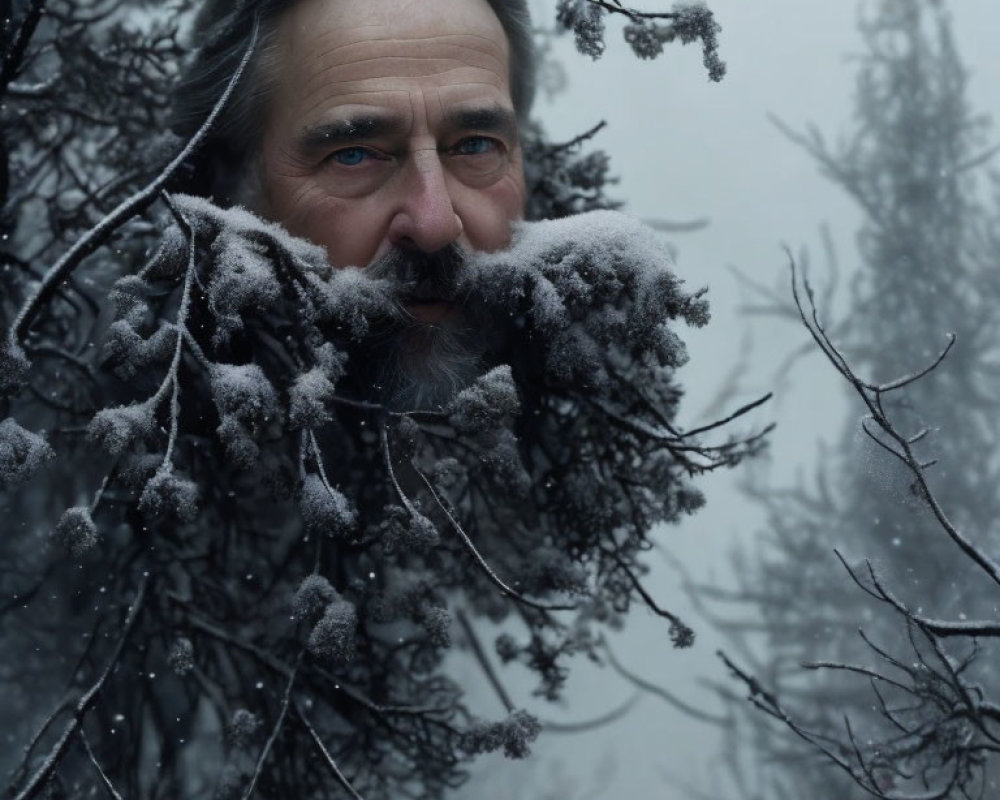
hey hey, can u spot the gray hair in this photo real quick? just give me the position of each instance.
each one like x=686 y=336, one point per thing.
x=223 y=32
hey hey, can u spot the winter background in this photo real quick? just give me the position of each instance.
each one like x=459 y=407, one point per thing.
x=687 y=150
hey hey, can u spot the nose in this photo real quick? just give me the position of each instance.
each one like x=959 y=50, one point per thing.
x=425 y=218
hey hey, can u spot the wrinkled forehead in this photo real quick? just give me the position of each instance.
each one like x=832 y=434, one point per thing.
x=391 y=55
x=345 y=32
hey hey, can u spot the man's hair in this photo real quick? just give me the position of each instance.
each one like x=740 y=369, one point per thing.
x=223 y=30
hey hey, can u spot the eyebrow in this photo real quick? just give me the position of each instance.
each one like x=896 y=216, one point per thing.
x=322 y=136
x=488 y=119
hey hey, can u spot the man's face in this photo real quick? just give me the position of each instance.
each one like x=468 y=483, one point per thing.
x=391 y=126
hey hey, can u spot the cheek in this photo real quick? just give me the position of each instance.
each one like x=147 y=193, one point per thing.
x=348 y=229
x=487 y=214
x=297 y=200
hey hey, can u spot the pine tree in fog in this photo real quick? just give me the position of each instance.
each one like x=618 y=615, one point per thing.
x=908 y=706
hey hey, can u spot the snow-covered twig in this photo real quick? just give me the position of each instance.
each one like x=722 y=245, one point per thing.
x=103 y=230
x=871 y=395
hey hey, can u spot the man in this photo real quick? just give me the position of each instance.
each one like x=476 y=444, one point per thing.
x=277 y=555
x=387 y=133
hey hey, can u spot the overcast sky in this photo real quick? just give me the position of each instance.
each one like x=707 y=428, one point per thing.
x=687 y=149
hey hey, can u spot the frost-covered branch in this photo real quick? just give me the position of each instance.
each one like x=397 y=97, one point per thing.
x=941 y=721
x=209 y=408
x=646 y=32
x=103 y=230
x=871 y=395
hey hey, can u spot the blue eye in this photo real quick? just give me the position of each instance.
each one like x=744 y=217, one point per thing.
x=476 y=145
x=350 y=156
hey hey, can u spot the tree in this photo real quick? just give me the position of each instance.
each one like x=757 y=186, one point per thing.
x=232 y=567
x=904 y=708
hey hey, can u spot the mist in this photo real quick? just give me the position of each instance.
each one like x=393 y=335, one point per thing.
x=686 y=151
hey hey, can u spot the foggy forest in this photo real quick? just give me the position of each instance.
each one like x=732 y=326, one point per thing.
x=711 y=516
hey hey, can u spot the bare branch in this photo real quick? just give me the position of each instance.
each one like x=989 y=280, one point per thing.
x=105 y=780
x=483 y=565
x=286 y=701
x=663 y=694
x=37 y=781
x=870 y=396
x=14 y=54
x=739 y=412
x=325 y=754
x=484 y=661
x=906 y=380
x=591 y=724
x=102 y=231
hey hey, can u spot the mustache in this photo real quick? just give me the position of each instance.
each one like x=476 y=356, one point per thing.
x=416 y=275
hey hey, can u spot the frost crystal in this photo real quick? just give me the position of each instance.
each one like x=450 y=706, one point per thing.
x=586 y=20
x=504 y=463
x=332 y=639
x=127 y=352
x=694 y=21
x=312 y=596
x=514 y=734
x=171 y=259
x=243 y=727
x=308 y=399
x=243 y=391
x=331 y=360
x=22 y=453
x=644 y=38
x=167 y=494
x=243 y=281
x=325 y=510
x=181 y=656
x=116 y=429
x=437 y=622
x=351 y=299
x=76 y=530
x=14 y=366
x=242 y=223
x=446 y=473
x=129 y=293
x=403 y=530
x=595 y=281
x=246 y=401
x=138 y=468
x=485 y=403
x=240 y=446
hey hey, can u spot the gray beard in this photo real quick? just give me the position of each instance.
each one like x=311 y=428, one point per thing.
x=421 y=366
x=427 y=365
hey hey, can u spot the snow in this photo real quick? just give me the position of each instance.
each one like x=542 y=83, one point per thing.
x=22 y=453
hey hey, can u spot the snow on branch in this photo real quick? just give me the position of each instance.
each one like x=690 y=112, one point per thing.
x=646 y=32
x=249 y=458
x=942 y=723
